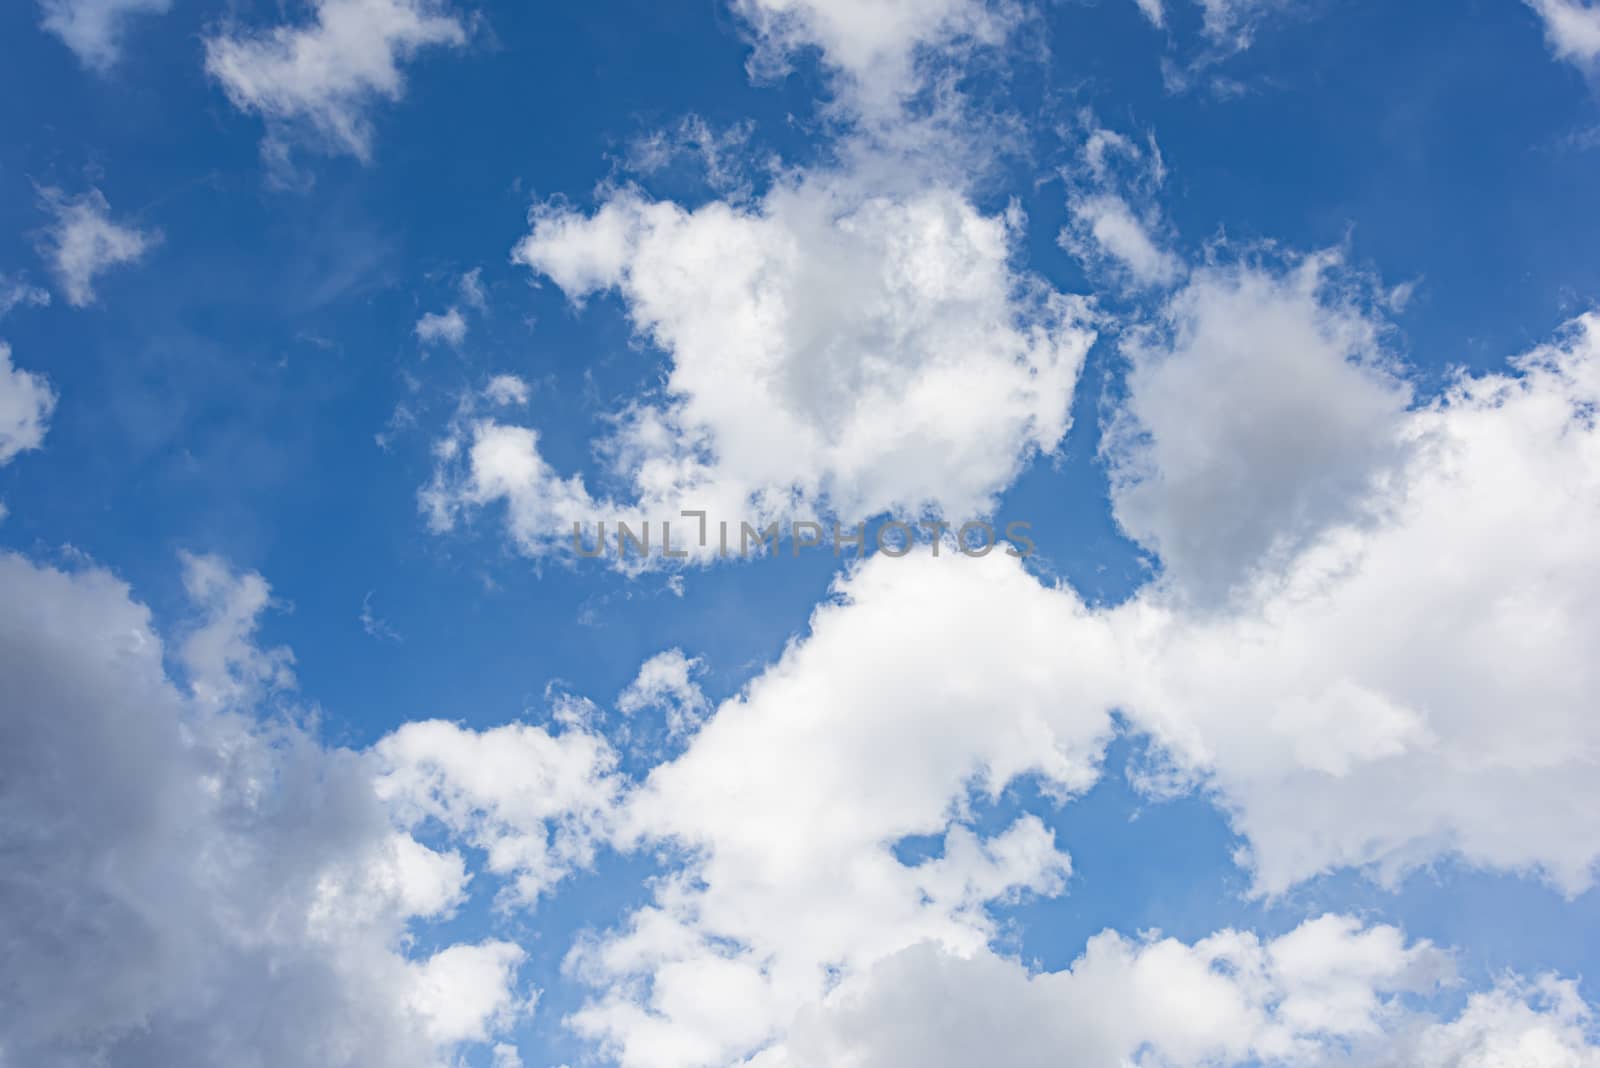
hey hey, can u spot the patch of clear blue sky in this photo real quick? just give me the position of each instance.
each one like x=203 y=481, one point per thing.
x=223 y=395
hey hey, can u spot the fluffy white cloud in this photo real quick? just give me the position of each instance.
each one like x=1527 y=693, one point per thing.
x=534 y=801
x=448 y=327
x=26 y=401
x=84 y=242
x=187 y=884
x=326 y=75
x=666 y=681
x=1228 y=999
x=93 y=28
x=507 y=391
x=795 y=933
x=1544 y=1024
x=1261 y=407
x=854 y=352
x=1347 y=707
x=1416 y=679
x=873 y=46
x=467 y=993
x=1573 y=29
x=224 y=665
x=923 y=679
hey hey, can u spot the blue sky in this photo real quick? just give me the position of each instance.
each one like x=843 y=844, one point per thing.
x=362 y=302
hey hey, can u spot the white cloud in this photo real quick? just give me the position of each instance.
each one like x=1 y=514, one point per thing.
x=1228 y=999
x=1573 y=29
x=1414 y=679
x=1544 y=1024
x=1115 y=225
x=1380 y=652
x=794 y=928
x=467 y=993
x=26 y=403
x=1228 y=27
x=84 y=242
x=16 y=292
x=666 y=681
x=507 y=391
x=225 y=666
x=1261 y=407
x=534 y=801
x=470 y=286
x=1155 y=11
x=1234 y=22
x=855 y=352
x=873 y=46
x=723 y=158
x=1110 y=223
x=93 y=28
x=326 y=75
x=188 y=885
x=923 y=679
x=448 y=327
x=1329 y=992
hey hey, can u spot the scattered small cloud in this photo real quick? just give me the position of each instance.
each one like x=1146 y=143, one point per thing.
x=93 y=29
x=85 y=242
x=376 y=626
x=442 y=328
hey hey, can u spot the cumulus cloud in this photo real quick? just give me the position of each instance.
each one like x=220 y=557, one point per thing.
x=1540 y=1024
x=1261 y=407
x=534 y=800
x=789 y=800
x=507 y=391
x=93 y=29
x=793 y=932
x=856 y=352
x=1415 y=680
x=84 y=242
x=26 y=403
x=1572 y=28
x=325 y=76
x=1330 y=992
x=448 y=327
x=1379 y=652
x=666 y=681
x=873 y=46
x=190 y=882
x=1232 y=998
